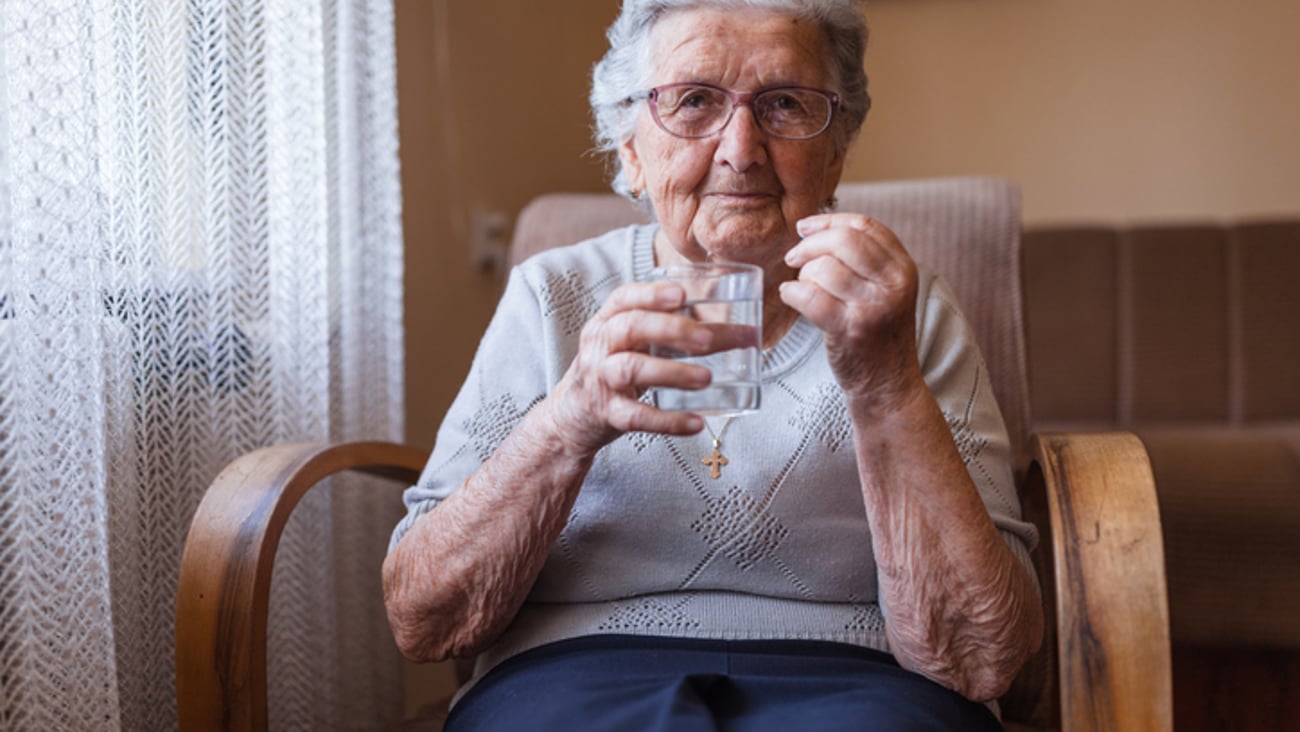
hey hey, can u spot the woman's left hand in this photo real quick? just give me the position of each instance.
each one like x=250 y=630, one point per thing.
x=858 y=285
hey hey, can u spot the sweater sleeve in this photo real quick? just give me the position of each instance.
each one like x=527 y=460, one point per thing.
x=507 y=378
x=955 y=371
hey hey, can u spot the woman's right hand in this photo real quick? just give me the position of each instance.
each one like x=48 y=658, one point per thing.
x=456 y=580
x=598 y=398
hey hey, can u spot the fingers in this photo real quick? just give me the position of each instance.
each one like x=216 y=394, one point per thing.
x=863 y=244
x=637 y=371
x=645 y=296
x=614 y=367
x=693 y=334
x=837 y=279
x=638 y=330
x=854 y=276
x=818 y=306
x=730 y=336
x=639 y=315
x=628 y=416
x=810 y=225
x=851 y=257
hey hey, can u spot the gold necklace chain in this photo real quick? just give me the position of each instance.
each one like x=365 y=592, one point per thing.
x=715 y=460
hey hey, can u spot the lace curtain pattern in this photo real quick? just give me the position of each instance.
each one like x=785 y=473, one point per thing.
x=200 y=254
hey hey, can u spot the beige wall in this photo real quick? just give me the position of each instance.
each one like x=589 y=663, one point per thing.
x=508 y=121
x=1101 y=109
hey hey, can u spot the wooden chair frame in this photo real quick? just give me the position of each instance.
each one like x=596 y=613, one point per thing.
x=1104 y=666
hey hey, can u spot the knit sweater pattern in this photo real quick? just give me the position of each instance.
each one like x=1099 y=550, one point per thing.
x=778 y=546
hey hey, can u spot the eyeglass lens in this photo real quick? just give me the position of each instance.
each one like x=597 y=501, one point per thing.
x=700 y=111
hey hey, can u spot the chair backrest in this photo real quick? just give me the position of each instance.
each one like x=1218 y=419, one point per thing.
x=965 y=229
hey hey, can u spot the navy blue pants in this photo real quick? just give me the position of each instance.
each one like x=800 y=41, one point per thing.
x=638 y=684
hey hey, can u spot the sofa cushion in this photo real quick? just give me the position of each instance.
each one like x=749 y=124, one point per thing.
x=1154 y=325
x=1266 y=256
x=1071 y=318
x=1230 y=512
x=1175 y=346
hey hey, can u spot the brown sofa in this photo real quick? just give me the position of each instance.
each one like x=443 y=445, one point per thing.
x=1190 y=337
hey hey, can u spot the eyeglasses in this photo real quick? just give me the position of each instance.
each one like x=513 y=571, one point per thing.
x=699 y=110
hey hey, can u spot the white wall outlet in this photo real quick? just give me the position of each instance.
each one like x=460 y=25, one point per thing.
x=489 y=233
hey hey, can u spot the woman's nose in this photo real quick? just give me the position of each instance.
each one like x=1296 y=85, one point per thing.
x=742 y=142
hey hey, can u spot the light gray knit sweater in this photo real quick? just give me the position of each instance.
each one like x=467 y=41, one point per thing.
x=777 y=547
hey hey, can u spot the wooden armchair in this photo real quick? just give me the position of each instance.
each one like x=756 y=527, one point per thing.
x=1105 y=662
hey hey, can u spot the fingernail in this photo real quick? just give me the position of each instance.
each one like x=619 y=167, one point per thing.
x=670 y=295
x=703 y=378
x=809 y=226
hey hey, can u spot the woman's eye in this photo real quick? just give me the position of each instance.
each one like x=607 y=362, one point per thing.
x=696 y=100
x=785 y=103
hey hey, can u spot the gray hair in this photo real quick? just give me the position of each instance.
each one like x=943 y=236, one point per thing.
x=625 y=68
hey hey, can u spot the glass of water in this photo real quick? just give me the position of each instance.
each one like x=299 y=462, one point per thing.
x=728 y=297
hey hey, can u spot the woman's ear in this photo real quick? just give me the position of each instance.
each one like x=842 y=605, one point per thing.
x=631 y=160
x=834 y=170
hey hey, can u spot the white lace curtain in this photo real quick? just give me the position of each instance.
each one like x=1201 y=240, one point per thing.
x=200 y=254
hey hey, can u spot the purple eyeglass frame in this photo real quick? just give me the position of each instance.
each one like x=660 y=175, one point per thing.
x=737 y=99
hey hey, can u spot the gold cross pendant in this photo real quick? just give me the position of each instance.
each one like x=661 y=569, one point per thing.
x=715 y=460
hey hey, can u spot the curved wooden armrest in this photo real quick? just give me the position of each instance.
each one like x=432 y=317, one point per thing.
x=225 y=578
x=1112 y=621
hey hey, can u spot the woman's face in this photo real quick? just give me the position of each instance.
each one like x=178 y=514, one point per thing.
x=735 y=195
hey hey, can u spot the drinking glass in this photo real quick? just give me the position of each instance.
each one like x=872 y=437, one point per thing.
x=728 y=297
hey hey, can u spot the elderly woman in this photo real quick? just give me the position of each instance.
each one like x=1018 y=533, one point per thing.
x=859 y=563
